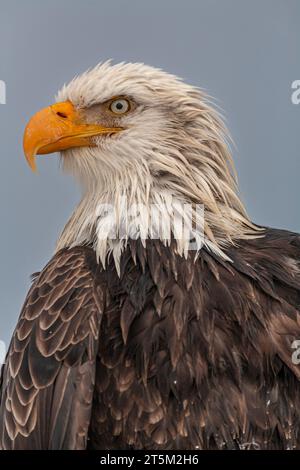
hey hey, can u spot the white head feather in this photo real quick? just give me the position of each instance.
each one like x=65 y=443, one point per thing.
x=173 y=151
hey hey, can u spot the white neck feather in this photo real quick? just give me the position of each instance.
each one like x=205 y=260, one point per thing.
x=107 y=219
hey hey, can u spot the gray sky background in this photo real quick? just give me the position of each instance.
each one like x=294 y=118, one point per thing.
x=244 y=53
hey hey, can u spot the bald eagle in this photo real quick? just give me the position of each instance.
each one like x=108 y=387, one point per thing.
x=138 y=334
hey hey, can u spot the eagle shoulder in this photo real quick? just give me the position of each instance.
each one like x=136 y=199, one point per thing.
x=48 y=377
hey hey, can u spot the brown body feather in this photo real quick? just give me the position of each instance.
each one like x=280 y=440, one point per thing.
x=172 y=354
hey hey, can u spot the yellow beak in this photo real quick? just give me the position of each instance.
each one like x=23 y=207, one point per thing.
x=59 y=127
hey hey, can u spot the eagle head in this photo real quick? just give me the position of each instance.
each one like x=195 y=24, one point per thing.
x=136 y=131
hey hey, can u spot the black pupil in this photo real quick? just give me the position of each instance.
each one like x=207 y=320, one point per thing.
x=119 y=105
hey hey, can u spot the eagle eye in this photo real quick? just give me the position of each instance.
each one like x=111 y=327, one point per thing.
x=119 y=106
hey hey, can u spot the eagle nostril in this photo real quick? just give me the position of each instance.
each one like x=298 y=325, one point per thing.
x=62 y=115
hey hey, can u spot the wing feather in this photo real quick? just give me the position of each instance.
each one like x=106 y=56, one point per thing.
x=49 y=374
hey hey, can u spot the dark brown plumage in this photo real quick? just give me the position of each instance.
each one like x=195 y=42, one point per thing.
x=173 y=354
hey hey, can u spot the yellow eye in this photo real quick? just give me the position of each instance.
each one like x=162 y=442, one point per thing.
x=119 y=106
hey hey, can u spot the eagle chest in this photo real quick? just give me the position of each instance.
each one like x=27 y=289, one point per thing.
x=147 y=364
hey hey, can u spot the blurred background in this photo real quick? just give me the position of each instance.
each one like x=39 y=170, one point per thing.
x=243 y=53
